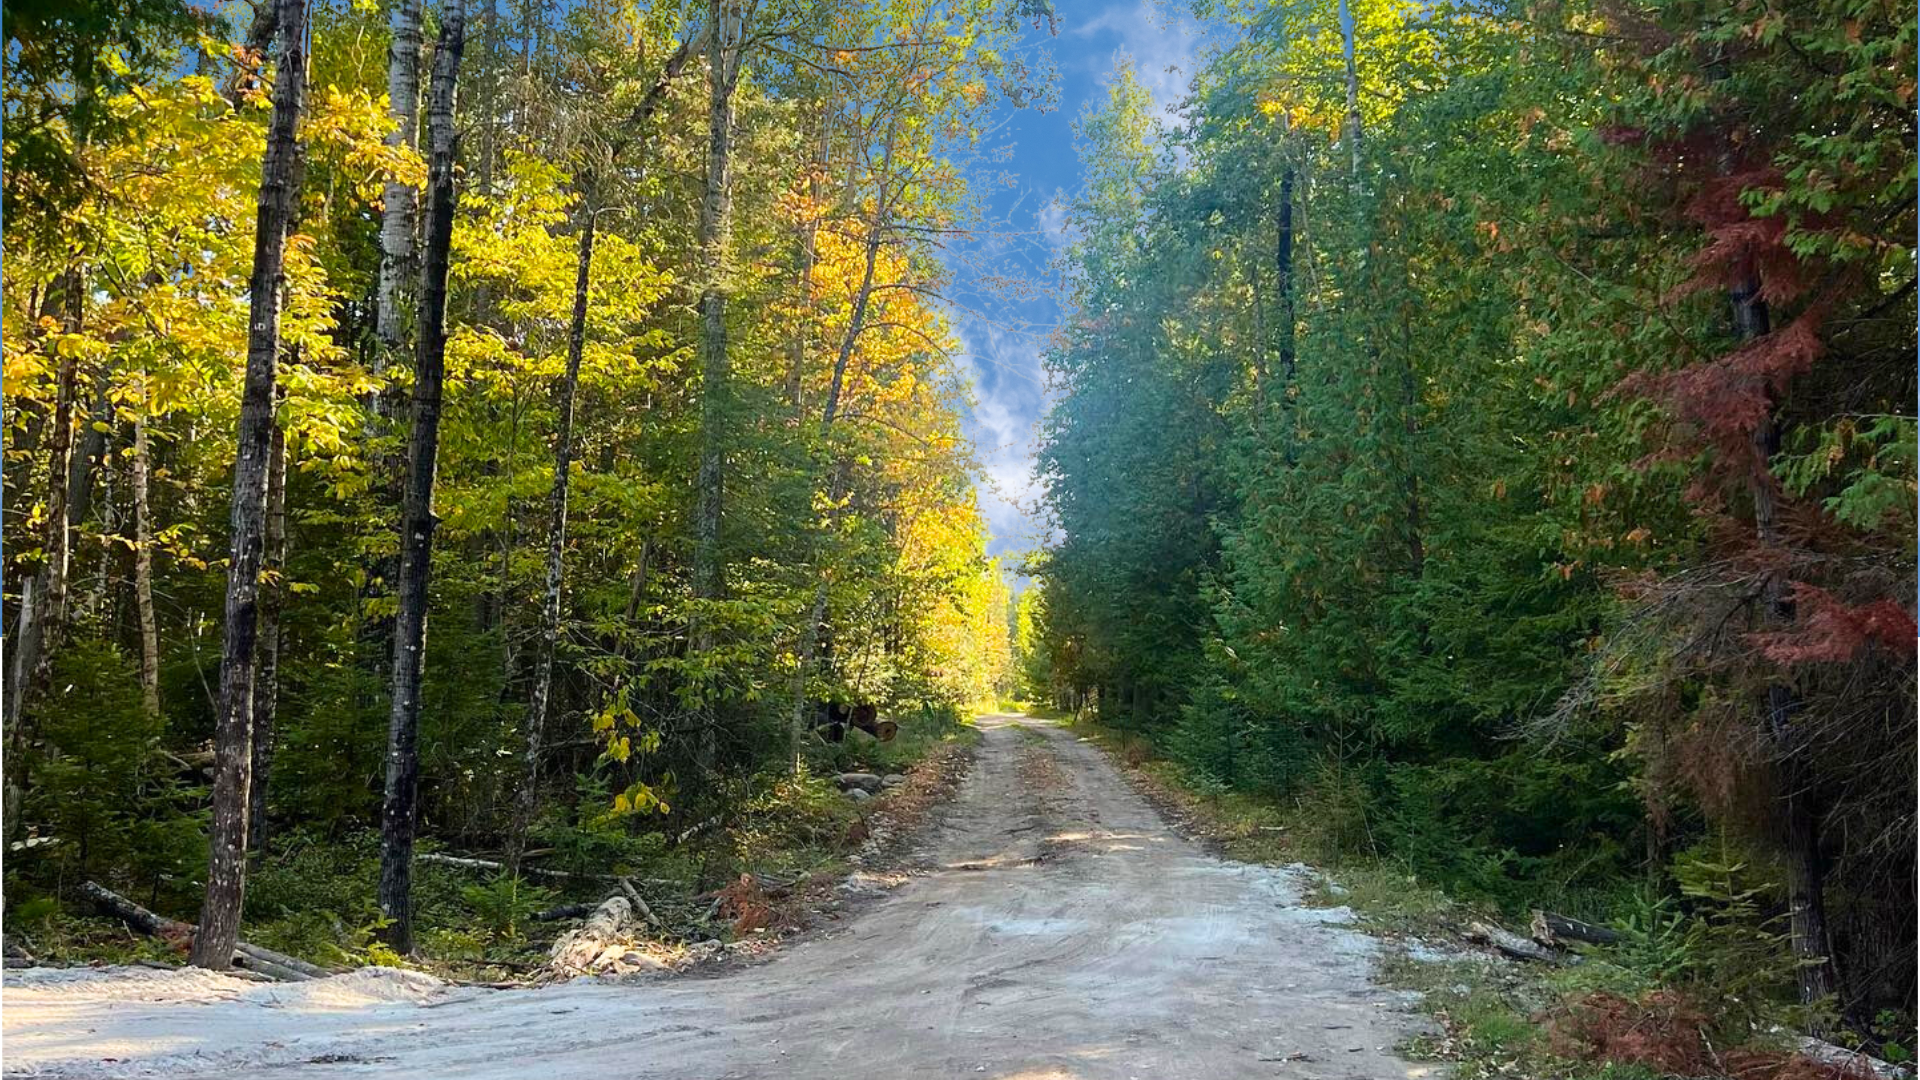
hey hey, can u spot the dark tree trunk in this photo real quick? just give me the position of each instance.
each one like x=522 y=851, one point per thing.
x=44 y=613
x=233 y=724
x=89 y=456
x=418 y=521
x=639 y=588
x=564 y=395
x=809 y=257
x=716 y=209
x=1409 y=470
x=1798 y=818
x=266 y=691
x=564 y=398
x=1283 y=282
x=143 y=561
x=43 y=620
x=856 y=325
x=1806 y=872
x=1284 y=313
x=724 y=37
x=43 y=607
x=812 y=631
x=92 y=466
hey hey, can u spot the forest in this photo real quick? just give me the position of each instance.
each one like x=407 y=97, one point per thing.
x=1487 y=431
x=459 y=455
x=609 y=342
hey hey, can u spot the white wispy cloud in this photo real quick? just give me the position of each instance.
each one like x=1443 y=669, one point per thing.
x=1161 y=42
x=1052 y=222
x=1006 y=374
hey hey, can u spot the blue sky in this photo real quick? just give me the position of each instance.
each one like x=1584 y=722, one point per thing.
x=1162 y=44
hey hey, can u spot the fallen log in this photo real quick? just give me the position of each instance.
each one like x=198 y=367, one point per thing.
x=1550 y=930
x=277 y=965
x=466 y=862
x=1511 y=944
x=270 y=968
x=640 y=907
x=259 y=955
x=579 y=951
x=147 y=922
x=576 y=911
x=697 y=829
x=1853 y=1062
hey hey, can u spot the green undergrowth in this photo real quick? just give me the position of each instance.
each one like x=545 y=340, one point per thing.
x=920 y=733
x=312 y=893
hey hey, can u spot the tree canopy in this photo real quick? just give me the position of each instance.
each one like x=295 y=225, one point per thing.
x=1491 y=427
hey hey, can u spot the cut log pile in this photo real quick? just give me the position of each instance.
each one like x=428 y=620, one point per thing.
x=249 y=957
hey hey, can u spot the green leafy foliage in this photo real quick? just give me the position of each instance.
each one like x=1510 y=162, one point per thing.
x=133 y=147
x=502 y=906
x=1410 y=469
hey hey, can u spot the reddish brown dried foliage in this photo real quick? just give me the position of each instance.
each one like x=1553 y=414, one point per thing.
x=747 y=905
x=1831 y=631
x=1665 y=1032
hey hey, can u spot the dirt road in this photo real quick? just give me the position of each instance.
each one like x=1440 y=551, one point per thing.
x=1064 y=933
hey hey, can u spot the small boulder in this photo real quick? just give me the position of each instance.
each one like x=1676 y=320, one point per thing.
x=859 y=794
x=892 y=780
x=864 y=781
